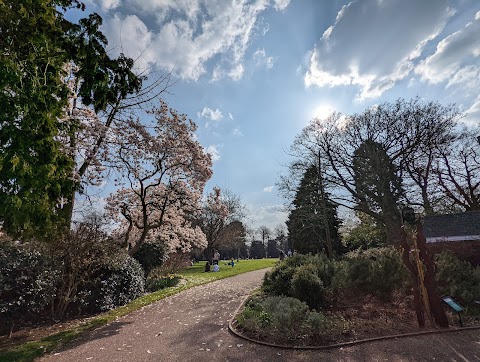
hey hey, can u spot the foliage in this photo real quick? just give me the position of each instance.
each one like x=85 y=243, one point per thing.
x=27 y=281
x=34 y=173
x=115 y=285
x=288 y=317
x=150 y=256
x=79 y=255
x=194 y=276
x=277 y=280
x=38 y=126
x=369 y=233
x=309 y=278
x=257 y=250
x=157 y=281
x=318 y=281
x=308 y=287
x=306 y=222
x=377 y=182
x=458 y=279
x=376 y=271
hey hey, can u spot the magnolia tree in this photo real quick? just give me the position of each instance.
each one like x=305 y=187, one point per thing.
x=162 y=172
x=89 y=128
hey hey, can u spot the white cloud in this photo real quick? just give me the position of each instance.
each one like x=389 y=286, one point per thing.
x=281 y=5
x=261 y=59
x=382 y=44
x=109 y=4
x=237 y=132
x=186 y=34
x=268 y=189
x=212 y=150
x=270 y=216
x=230 y=115
x=472 y=114
x=208 y=113
x=457 y=56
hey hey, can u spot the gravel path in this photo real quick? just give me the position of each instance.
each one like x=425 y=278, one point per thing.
x=193 y=326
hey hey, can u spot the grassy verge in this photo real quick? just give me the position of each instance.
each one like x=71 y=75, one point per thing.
x=193 y=276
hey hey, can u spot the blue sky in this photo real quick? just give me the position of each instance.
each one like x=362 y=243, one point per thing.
x=252 y=73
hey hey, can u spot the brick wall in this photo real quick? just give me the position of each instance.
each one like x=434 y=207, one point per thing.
x=464 y=250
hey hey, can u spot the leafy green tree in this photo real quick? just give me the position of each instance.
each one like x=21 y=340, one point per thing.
x=34 y=173
x=37 y=129
x=306 y=226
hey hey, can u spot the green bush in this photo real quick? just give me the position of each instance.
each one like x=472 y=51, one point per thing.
x=308 y=287
x=114 y=285
x=27 y=281
x=376 y=271
x=277 y=280
x=150 y=256
x=286 y=317
x=458 y=279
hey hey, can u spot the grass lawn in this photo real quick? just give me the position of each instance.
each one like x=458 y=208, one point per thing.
x=193 y=276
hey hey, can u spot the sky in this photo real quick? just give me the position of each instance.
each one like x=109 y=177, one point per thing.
x=252 y=73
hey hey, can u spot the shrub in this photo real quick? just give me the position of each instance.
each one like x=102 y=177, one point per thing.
x=307 y=286
x=156 y=281
x=150 y=256
x=27 y=281
x=277 y=280
x=317 y=280
x=457 y=278
x=287 y=317
x=114 y=285
x=318 y=324
x=377 y=271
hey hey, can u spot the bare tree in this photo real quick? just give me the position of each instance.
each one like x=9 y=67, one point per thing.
x=458 y=172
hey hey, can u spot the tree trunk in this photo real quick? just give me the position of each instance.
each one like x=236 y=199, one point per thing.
x=396 y=230
x=326 y=224
x=436 y=307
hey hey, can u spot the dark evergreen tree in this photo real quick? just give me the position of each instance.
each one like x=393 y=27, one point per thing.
x=257 y=250
x=306 y=226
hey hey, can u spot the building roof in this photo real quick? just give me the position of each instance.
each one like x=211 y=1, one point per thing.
x=451 y=225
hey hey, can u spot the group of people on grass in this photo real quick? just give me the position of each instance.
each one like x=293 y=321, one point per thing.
x=214 y=266
x=216 y=258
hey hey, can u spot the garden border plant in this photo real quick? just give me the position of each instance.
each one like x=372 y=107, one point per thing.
x=320 y=283
x=194 y=276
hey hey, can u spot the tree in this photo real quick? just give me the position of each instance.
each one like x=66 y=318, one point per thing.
x=34 y=173
x=163 y=170
x=218 y=218
x=281 y=236
x=257 y=250
x=264 y=233
x=368 y=233
x=366 y=156
x=458 y=174
x=306 y=226
x=233 y=240
x=60 y=94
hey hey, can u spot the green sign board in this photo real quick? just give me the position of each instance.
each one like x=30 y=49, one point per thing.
x=454 y=305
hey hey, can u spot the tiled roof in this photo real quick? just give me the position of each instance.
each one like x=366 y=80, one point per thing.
x=464 y=224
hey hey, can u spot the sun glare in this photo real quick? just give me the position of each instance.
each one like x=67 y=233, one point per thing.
x=322 y=111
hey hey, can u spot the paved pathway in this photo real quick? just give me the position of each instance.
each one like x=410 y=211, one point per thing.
x=193 y=326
